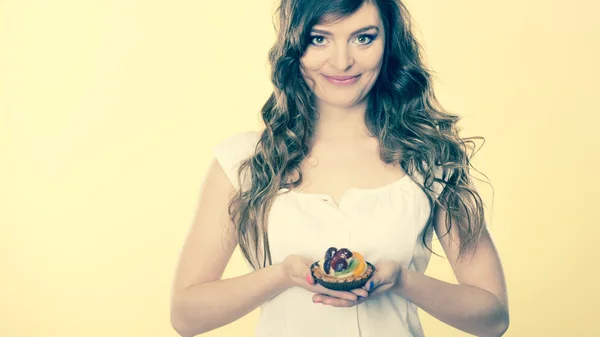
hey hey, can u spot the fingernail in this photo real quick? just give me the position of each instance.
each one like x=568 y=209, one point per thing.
x=308 y=279
x=371 y=285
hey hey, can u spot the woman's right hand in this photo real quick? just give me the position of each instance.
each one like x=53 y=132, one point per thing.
x=296 y=272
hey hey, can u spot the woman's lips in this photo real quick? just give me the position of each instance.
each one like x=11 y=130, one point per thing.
x=342 y=80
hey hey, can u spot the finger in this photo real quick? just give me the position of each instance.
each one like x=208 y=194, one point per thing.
x=306 y=260
x=334 y=301
x=371 y=284
x=305 y=272
x=360 y=292
x=346 y=295
x=305 y=276
x=382 y=288
x=309 y=278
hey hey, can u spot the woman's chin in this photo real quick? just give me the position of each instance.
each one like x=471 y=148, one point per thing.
x=341 y=103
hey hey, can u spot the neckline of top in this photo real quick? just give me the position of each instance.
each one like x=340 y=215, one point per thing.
x=372 y=190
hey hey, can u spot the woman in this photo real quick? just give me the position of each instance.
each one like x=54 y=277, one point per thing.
x=355 y=153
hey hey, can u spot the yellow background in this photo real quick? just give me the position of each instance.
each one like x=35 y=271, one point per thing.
x=109 y=110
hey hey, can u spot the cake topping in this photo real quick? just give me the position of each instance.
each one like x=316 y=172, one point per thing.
x=361 y=264
x=342 y=263
x=326 y=265
x=330 y=253
x=339 y=264
x=345 y=253
x=342 y=269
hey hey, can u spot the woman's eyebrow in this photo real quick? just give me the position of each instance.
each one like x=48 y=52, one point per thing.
x=364 y=29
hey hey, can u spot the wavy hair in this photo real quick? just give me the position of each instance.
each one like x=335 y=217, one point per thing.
x=412 y=128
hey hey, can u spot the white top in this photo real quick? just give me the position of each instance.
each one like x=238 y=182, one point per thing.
x=381 y=223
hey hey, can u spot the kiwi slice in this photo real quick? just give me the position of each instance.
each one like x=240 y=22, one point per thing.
x=351 y=266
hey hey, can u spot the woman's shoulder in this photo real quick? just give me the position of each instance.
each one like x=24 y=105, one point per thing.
x=230 y=150
x=240 y=139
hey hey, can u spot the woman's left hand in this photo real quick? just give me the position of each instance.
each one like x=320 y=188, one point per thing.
x=388 y=275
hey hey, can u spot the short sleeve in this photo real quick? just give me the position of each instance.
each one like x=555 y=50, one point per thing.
x=231 y=151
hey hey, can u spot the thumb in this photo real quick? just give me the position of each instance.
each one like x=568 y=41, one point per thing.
x=372 y=283
x=304 y=269
x=306 y=261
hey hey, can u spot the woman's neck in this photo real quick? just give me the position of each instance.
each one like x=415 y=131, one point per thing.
x=341 y=123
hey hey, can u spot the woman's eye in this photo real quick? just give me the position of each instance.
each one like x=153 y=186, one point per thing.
x=318 y=40
x=365 y=38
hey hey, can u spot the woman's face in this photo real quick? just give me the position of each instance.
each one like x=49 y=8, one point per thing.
x=344 y=58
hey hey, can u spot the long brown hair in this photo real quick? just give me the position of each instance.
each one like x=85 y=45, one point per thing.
x=402 y=112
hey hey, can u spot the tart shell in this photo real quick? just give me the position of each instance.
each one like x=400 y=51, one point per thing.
x=344 y=284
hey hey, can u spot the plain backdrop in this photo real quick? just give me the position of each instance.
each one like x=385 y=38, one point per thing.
x=109 y=110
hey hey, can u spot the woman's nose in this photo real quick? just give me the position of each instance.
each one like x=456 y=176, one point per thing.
x=341 y=58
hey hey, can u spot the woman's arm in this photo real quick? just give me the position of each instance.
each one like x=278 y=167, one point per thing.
x=467 y=308
x=201 y=301
x=478 y=304
x=210 y=305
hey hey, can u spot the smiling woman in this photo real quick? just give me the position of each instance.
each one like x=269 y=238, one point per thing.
x=357 y=154
x=342 y=63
